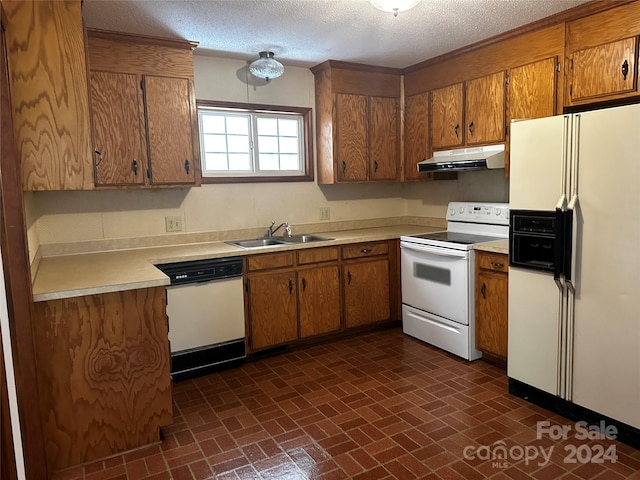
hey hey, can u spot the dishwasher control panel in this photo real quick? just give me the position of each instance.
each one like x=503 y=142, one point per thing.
x=195 y=271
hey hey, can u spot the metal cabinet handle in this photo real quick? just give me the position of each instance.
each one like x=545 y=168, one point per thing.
x=348 y=278
x=456 y=129
x=290 y=287
x=483 y=290
x=497 y=265
x=344 y=166
x=471 y=126
x=375 y=166
x=134 y=167
x=187 y=166
x=99 y=153
x=366 y=250
x=625 y=70
x=304 y=284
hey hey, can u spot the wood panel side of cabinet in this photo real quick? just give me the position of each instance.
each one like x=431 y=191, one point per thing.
x=351 y=137
x=485 y=109
x=325 y=128
x=49 y=94
x=384 y=134
x=366 y=286
x=319 y=299
x=447 y=117
x=168 y=108
x=416 y=136
x=103 y=373
x=119 y=134
x=272 y=309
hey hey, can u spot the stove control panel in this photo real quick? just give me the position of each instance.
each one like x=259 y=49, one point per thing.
x=476 y=212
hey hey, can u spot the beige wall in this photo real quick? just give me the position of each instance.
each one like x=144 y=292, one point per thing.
x=58 y=217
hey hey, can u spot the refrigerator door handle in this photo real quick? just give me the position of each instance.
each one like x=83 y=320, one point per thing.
x=558 y=242
x=561 y=336
x=569 y=229
x=570 y=327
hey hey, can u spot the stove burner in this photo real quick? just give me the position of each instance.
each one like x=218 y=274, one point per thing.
x=456 y=237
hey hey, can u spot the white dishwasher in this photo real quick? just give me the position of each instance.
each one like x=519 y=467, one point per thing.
x=205 y=306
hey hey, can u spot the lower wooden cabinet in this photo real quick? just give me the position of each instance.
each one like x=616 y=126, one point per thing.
x=293 y=296
x=492 y=293
x=103 y=376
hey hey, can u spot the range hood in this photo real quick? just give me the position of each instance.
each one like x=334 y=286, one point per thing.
x=476 y=158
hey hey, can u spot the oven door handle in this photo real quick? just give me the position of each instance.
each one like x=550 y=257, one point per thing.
x=442 y=252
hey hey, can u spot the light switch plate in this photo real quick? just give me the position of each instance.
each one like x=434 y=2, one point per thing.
x=325 y=213
x=173 y=223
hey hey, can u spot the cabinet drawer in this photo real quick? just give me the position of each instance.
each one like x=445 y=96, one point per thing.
x=497 y=262
x=317 y=255
x=269 y=261
x=365 y=250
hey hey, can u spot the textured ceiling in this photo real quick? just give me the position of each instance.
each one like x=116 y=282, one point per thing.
x=308 y=32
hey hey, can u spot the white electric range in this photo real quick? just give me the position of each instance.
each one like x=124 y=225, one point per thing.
x=438 y=271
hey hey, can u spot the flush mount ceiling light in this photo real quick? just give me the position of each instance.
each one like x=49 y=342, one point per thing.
x=394 y=6
x=266 y=67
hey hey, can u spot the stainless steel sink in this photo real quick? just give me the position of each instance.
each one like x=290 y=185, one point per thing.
x=304 y=238
x=275 y=241
x=257 y=242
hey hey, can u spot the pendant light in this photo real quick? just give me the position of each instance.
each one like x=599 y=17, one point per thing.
x=266 y=66
x=394 y=6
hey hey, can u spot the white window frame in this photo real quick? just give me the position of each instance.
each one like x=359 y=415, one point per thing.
x=305 y=148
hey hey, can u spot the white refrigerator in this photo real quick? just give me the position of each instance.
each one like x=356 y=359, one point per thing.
x=574 y=278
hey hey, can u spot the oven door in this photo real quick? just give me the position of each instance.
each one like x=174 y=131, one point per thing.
x=436 y=280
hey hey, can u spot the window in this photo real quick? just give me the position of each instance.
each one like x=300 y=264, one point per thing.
x=254 y=143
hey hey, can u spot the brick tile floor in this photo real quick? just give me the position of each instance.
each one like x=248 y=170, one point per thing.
x=378 y=406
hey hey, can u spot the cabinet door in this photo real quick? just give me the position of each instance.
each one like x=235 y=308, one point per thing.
x=170 y=133
x=351 y=137
x=447 y=116
x=272 y=309
x=485 y=109
x=492 y=312
x=532 y=90
x=117 y=116
x=319 y=296
x=604 y=71
x=366 y=292
x=49 y=93
x=416 y=135
x=383 y=138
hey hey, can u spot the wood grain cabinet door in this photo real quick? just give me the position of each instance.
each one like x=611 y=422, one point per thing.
x=319 y=300
x=416 y=135
x=273 y=309
x=351 y=137
x=119 y=138
x=603 y=71
x=384 y=151
x=447 y=116
x=169 y=124
x=366 y=292
x=492 y=300
x=485 y=106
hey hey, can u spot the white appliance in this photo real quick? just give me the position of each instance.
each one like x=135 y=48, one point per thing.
x=205 y=306
x=574 y=277
x=437 y=273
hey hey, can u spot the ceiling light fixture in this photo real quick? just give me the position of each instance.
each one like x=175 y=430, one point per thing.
x=394 y=6
x=266 y=67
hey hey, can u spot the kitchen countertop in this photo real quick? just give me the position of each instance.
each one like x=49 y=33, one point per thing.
x=496 y=246
x=76 y=275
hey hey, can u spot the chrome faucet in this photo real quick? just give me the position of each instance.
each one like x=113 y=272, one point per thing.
x=271 y=230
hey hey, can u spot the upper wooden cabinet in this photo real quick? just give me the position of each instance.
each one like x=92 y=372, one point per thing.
x=601 y=52
x=143 y=112
x=49 y=93
x=469 y=113
x=357 y=123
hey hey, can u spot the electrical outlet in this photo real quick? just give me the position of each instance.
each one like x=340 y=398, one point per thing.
x=173 y=223
x=325 y=213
